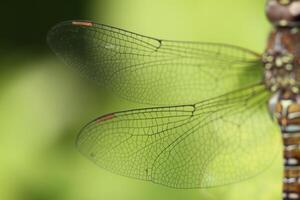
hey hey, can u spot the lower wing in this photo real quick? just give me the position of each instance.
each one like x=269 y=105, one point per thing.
x=214 y=142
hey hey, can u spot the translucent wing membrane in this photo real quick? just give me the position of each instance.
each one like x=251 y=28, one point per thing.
x=214 y=142
x=153 y=71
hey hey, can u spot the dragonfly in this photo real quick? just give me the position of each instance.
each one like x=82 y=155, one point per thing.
x=214 y=111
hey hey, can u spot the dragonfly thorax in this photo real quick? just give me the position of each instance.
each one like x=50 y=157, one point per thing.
x=280 y=73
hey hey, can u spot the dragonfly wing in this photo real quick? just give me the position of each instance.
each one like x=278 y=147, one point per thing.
x=153 y=71
x=215 y=142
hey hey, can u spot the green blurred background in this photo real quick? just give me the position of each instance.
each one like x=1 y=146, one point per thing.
x=43 y=103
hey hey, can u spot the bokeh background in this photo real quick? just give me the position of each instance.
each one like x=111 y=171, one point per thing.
x=43 y=103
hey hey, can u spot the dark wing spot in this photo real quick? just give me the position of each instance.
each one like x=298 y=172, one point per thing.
x=105 y=118
x=76 y=23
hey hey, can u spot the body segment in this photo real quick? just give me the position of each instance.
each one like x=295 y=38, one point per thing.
x=282 y=77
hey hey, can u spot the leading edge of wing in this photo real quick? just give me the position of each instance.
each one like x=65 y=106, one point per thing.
x=91 y=24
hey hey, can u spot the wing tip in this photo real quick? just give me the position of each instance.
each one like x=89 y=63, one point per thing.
x=99 y=120
x=54 y=35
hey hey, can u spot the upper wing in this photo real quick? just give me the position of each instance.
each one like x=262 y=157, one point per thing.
x=153 y=71
x=214 y=142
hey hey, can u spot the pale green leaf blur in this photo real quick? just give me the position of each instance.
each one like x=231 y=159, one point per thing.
x=43 y=103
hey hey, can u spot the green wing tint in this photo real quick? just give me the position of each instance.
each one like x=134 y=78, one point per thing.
x=153 y=71
x=214 y=142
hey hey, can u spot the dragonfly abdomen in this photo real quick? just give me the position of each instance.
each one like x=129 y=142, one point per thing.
x=286 y=108
x=291 y=180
